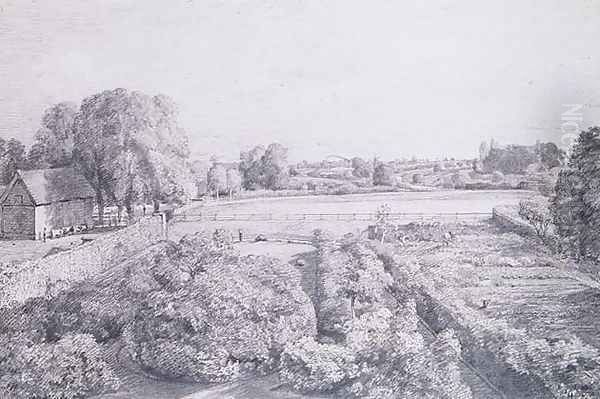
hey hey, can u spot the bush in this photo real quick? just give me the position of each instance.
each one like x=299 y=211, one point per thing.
x=379 y=352
x=238 y=312
x=537 y=214
x=71 y=368
x=309 y=366
x=346 y=188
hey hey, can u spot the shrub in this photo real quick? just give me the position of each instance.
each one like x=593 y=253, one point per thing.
x=309 y=366
x=71 y=368
x=346 y=188
x=237 y=312
x=537 y=214
x=379 y=352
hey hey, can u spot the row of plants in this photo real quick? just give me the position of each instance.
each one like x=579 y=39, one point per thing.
x=517 y=360
x=368 y=343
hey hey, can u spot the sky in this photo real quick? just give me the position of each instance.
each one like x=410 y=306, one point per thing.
x=382 y=78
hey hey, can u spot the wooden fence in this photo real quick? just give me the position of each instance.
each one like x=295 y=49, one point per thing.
x=312 y=217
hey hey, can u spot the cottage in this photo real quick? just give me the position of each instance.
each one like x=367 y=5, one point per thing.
x=44 y=200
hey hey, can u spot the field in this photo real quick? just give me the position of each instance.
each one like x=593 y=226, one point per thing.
x=488 y=275
x=408 y=202
x=431 y=203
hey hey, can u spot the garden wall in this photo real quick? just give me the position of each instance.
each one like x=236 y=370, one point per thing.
x=35 y=278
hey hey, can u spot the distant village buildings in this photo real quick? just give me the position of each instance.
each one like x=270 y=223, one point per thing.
x=39 y=201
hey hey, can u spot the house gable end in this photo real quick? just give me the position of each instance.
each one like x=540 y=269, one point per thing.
x=17 y=193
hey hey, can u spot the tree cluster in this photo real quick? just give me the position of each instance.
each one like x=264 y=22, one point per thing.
x=361 y=168
x=128 y=145
x=223 y=180
x=383 y=175
x=52 y=146
x=515 y=159
x=265 y=167
x=575 y=207
x=130 y=148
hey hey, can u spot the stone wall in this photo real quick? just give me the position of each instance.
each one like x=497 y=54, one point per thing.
x=80 y=263
x=508 y=218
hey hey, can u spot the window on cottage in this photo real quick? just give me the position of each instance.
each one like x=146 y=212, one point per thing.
x=19 y=199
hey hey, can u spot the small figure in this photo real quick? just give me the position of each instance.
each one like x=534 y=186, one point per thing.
x=485 y=304
x=144 y=209
x=240 y=235
x=44 y=237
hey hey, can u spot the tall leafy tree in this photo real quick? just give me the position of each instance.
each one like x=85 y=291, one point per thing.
x=361 y=168
x=53 y=143
x=251 y=166
x=266 y=168
x=234 y=181
x=12 y=157
x=275 y=167
x=550 y=155
x=217 y=179
x=383 y=175
x=575 y=206
x=131 y=148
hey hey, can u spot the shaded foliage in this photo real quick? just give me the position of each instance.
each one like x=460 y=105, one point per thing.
x=131 y=148
x=575 y=206
x=265 y=168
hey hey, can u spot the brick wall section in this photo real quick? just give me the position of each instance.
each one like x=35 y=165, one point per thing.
x=80 y=263
x=18 y=213
x=18 y=221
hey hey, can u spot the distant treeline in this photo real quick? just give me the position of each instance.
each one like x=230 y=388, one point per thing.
x=515 y=159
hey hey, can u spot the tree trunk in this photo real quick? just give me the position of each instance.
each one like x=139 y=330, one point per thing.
x=352 y=301
x=217 y=193
x=129 y=210
x=100 y=204
x=119 y=213
x=156 y=205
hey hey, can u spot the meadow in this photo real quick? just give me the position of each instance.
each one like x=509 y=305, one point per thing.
x=406 y=202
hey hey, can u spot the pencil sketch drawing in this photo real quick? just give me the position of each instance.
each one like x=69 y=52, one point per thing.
x=205 y=199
